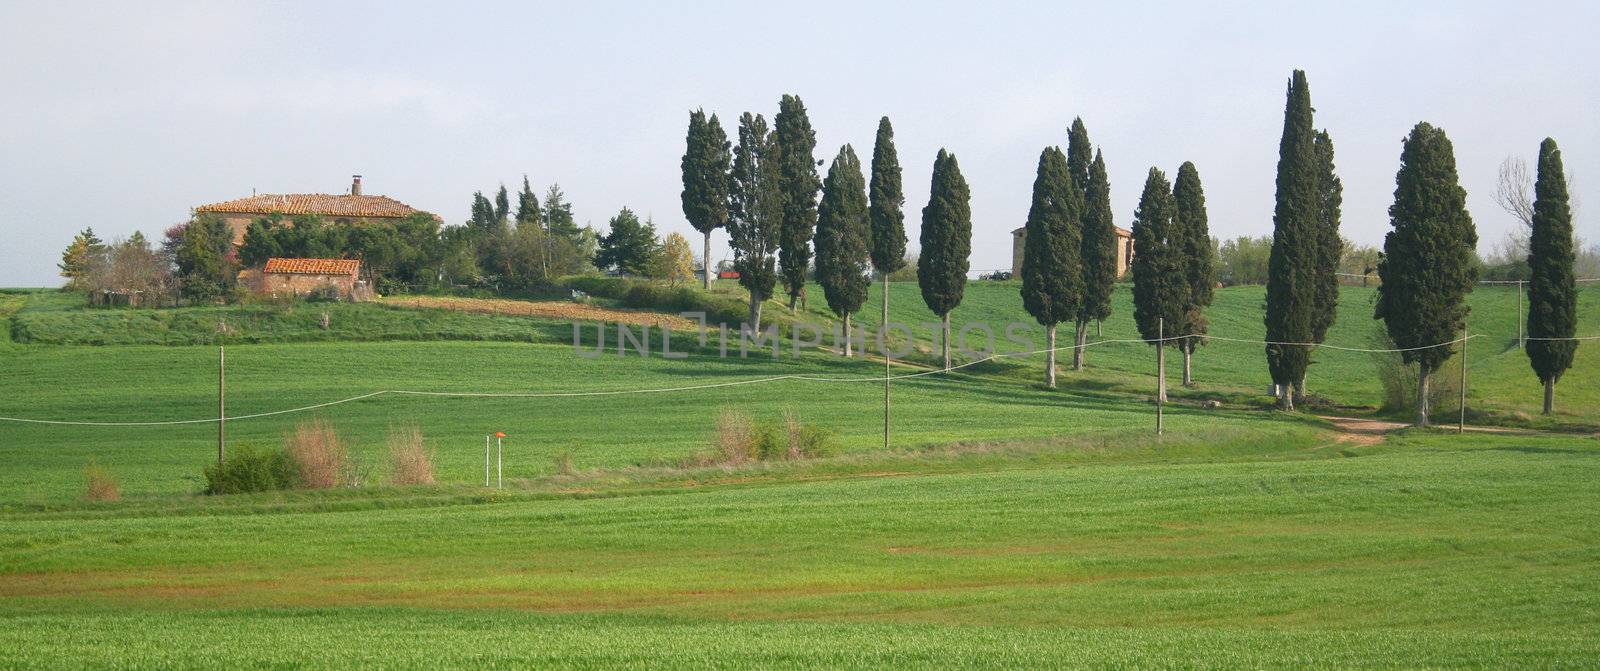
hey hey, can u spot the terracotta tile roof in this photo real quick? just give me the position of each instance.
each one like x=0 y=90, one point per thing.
x=327 y=205
x=313 y=266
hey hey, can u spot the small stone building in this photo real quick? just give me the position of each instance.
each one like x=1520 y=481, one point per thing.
x=289 y=278
x=353 y=207
x=1124 y=251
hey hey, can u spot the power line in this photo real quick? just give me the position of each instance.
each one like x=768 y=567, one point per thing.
x=735 y=383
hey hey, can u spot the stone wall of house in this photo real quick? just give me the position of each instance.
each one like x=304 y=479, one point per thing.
x=1019 y=236
x=287 y=285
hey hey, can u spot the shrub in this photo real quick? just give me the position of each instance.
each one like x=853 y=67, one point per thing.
x=99 y=484
x=250 y=470
x=1399 y=380
x=318 y=455
x=410 y=463
x=563 y=464
x=765 y=443
x=739 y=441
x=734 y=438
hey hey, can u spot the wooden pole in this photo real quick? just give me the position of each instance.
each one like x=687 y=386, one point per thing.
x=222 y=395
x=1161 y=371
x=486 y=460
x=884 y=344
x=1520 y=325
x=1461 y=419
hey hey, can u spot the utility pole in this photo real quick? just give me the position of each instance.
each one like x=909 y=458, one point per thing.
x=222 y=395
x=1461 y=419
x=1161 y=371
x=883 y=344
x=1520 y=324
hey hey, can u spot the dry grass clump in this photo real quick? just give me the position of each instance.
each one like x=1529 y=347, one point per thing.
x=319 y=456
x=410 y=462
x=99 y=483
x=739 y=440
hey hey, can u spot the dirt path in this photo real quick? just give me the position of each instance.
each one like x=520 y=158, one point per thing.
x=563 y=310
x=1367 y=431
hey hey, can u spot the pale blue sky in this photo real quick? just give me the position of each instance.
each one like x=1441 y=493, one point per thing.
x=122 y=116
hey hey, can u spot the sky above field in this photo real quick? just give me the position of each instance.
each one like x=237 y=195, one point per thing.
x=123 y=116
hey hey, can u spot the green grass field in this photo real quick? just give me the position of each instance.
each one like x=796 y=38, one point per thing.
x=1010 y=525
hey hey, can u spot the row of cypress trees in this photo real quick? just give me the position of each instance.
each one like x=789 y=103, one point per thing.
x=764 y=191
x=1069 y=257
x=1427 y=265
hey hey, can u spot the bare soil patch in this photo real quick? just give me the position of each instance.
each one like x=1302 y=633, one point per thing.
x=561 y=310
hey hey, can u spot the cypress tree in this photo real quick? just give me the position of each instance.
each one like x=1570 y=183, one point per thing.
x=1552 y=290
x=1427 y=265
x=1189 y=218
x=1098 y=255
x=946 y=243
x=842 y=232
x=705 y=179
x=1291 y=296
x=1052 y=276
x=1330 y=247
x=528 y=206
x=502 y=209
x=558 y=219
x=755 y=211
x=797 y=179
x=1160 y=280
x=1078 y=155
x=888 y=221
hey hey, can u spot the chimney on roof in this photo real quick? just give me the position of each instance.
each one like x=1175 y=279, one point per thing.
x=355 y=185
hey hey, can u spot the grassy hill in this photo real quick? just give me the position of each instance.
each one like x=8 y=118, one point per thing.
x=1009 y=525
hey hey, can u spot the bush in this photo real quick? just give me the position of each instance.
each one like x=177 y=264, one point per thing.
x=319 y=457
x=99 y=484
x=734 y=438
x=1399 y=380
x=410 y=463
x=738 y=440
x=806 y=441
x=249 y=470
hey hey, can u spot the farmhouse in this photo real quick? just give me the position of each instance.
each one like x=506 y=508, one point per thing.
x=354 y=207
x=1124 y=250
x=302 y=277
